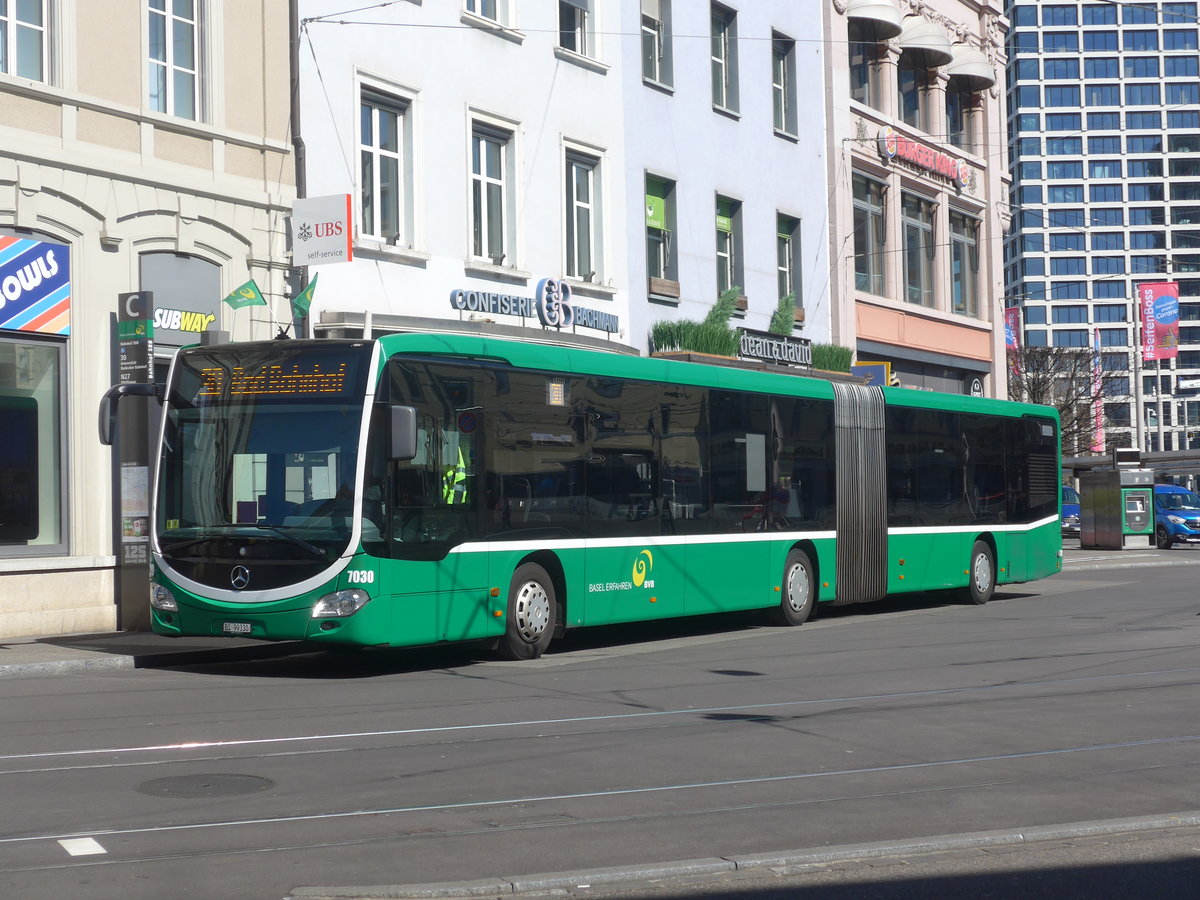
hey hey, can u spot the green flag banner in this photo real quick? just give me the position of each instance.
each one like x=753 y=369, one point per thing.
x=247 y=295
x=303 y=300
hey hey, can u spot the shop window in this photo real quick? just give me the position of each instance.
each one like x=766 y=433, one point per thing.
x=31 y=470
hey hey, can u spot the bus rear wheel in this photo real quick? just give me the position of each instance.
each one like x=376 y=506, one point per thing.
x=798 y=593
x=532 y=613
x=982 y=573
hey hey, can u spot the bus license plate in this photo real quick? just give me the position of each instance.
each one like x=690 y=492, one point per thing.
x=236 y=627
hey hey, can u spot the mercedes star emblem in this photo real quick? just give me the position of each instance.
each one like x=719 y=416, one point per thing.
x=239 y=577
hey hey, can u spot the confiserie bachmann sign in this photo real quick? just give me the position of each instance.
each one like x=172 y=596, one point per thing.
x=775 y=348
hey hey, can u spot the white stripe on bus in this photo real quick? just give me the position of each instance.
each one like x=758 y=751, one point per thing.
x=667 y=540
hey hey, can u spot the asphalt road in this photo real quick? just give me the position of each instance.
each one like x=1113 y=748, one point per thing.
x=1069 y=700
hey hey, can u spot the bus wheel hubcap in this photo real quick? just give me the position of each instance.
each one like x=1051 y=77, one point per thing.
x=983 y=573
x=797 y=588
x=532 y=609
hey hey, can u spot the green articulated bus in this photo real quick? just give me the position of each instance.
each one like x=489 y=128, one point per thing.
x=424 y=488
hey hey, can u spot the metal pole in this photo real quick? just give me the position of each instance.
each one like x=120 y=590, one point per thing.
x=1136 y=351
x=1158 y=401
x=298 y=276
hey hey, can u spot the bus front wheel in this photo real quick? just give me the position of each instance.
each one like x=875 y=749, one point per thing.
x=982 y=574
x=798 y=592
x=532 y=611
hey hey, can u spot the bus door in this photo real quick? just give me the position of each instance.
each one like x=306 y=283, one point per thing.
x=729 y=567
x=431 y=505
x=632 y=572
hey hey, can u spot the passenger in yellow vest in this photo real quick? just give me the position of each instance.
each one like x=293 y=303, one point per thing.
x=454 y=482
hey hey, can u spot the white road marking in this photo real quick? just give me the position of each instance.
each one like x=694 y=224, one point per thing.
x=82 y=846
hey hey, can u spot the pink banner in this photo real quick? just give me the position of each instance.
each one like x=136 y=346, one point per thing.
x=1012 y=329
x=1159 y=305
x=1097 y=400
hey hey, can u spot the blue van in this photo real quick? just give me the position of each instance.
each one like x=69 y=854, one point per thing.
x=1176 y=516
x=1070 y=511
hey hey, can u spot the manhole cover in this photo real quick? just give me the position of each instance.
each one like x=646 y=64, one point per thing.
x=205 y=785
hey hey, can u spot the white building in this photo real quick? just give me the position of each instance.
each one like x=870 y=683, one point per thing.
x=645 y=152
x=143 y=147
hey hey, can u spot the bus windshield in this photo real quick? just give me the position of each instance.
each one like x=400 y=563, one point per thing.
x=261 y=441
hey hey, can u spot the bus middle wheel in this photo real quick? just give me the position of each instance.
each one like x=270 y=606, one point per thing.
x=799 y=591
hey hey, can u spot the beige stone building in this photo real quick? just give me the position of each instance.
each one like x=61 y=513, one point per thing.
x=144 y=146
x=919 y=188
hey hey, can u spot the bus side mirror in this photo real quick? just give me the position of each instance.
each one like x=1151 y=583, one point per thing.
x=108 y=407
x=402 y=438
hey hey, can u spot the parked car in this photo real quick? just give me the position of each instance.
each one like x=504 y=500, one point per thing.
x=1176 y=516
x=1070 y=511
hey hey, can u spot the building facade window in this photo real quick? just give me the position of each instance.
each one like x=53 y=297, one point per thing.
x=656 y=41
x=724 y=54
x=864 y=65
x=575 y=27
x=1101 y=67
x=661 y=263
x=787 y=257
x=916 y=214
x=783 y=83
x=913 y=86
x=174 y=82
x=489 y=193
x=964 y=264
x=582 y=216
x=870 y=234
x=729 y=244
x=960 y=115
x=487 y=9
x=23 y=39
x=383 y=192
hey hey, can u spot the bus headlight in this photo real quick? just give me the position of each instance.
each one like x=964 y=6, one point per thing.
x=162 y=599
x=341 y=604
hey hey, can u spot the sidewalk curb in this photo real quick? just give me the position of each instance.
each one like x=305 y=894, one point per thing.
x=530 y=884
x=98 y=660
x=1091 y=567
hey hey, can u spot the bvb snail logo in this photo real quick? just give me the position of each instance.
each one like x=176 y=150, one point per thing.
x=642 y=566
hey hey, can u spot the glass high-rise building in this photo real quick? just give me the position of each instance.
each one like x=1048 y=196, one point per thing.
x=1104 y=131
